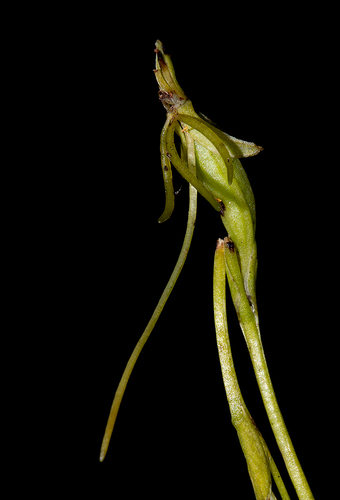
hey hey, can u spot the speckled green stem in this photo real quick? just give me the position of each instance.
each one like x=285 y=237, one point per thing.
x=254 y=343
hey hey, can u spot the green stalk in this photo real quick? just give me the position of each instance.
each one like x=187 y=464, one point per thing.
x=230 y=381
x=161 y=303
x=254 y=343
x=277 y=478
x=259 y=461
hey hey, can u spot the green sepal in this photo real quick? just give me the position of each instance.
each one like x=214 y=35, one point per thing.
x=182 y=168
x=165 y=72
x=205 y=129
x=236 y=147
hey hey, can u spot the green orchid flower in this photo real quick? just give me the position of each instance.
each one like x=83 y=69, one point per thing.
x=220 y=177
x=209 y=160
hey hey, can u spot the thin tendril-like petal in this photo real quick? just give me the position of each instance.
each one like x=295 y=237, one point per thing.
x=206 y=130
x=165 y=295
x=167 y=176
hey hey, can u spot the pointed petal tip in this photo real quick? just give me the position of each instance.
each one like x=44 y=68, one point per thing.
x=102 y=455
x=164 y=217
x=159 y=47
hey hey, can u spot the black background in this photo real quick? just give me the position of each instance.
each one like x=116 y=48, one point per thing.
x=257 y=74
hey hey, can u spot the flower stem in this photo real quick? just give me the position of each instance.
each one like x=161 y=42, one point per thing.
x=161 y=303
x=254 y=344
x=259 y=460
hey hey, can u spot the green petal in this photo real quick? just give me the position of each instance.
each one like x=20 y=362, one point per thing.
x=236 y=147
x=205 y=129
x=167 y=175
x=182 y=168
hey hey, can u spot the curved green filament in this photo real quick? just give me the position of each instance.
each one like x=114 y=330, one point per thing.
x=161 y=303
x=205 y=129
x=182 y=168
x=167 y=175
